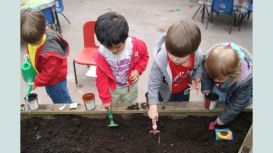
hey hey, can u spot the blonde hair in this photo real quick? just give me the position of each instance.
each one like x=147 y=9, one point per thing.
x=33 y=25
x=223 y=62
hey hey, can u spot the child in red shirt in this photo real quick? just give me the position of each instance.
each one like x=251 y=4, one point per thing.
x=177 y=64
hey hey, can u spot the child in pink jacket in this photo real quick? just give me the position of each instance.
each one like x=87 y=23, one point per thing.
x=120 y=60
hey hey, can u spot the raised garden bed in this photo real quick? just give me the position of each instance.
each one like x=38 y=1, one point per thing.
x=76 y=134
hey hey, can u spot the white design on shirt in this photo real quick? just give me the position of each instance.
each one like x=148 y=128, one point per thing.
x=120 y=64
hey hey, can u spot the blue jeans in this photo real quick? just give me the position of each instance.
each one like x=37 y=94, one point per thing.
x=182 y=96
x=59 y=92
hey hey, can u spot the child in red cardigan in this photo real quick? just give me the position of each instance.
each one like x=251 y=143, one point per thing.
x=120 y=60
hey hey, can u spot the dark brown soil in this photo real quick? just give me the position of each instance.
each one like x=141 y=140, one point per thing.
x=74 y=134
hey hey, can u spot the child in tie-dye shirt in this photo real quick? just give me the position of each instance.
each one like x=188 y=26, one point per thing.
x=120 y=60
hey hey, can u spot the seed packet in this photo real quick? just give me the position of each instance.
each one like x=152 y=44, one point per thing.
x=223 y=134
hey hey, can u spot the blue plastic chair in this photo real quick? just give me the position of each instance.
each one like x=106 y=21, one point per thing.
x=222 y=7
x=60 y=8
x=49 y=16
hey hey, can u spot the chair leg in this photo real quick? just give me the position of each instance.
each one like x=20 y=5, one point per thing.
x=207 y=11
x=196 y=11
x=57 y=21
x=57 y=29
x=241 y=21
x=248 y=15
x=75 y=73
x=203 y=13
x=66 y=18
x=233 y=23
x=209 y=19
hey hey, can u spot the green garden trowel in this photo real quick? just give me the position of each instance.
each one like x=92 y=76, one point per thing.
x=110 y=116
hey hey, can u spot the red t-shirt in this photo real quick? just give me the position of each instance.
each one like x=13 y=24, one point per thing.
x=181 y=75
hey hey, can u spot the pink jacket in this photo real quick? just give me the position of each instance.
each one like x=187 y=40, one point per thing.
x=105 y=79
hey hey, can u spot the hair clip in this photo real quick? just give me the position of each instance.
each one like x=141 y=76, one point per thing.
x=236 y=48
x=229 y=45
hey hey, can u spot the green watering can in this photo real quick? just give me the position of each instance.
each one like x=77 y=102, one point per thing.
x=28 y=73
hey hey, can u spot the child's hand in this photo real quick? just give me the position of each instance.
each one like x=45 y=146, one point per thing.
x=195 y=85
x=219 y=122
x=134 y=76
x=33 y=86
x=213 y=124
x=26 y=56
x=106 y=105
x=152 y=112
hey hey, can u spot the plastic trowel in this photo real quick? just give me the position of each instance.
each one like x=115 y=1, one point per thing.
x=110 y=116
x=154 y=131
x=154 y=127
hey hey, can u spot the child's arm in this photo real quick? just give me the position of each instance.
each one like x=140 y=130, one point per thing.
x=102 y=84
x=156 y=78
x=196 y=81
x=140 y=66
x=238 y=101
x=206 y=82
x=198 y=71
x=51 y=67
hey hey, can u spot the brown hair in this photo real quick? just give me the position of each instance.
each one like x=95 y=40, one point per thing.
x=223 y=62
x=183 y=38
x=33 y=25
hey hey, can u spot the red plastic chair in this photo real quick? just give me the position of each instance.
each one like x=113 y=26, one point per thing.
x=85 y=57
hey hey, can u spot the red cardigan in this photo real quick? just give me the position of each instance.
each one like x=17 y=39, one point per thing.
x=51 y=60
x=105 y=79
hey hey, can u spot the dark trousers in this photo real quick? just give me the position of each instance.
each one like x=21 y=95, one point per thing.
x=182 y=96
x=59 y=92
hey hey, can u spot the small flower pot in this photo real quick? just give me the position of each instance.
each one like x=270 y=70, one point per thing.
x=89 y=101
x=32 y=101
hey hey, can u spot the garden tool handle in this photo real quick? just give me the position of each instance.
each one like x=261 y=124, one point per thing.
x=110 y=114
x=154 y=126
x=212 y=125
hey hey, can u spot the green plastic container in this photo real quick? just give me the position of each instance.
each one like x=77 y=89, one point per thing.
x=28 y=73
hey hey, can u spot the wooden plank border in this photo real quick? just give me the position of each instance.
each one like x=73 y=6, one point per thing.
x=163 y=108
